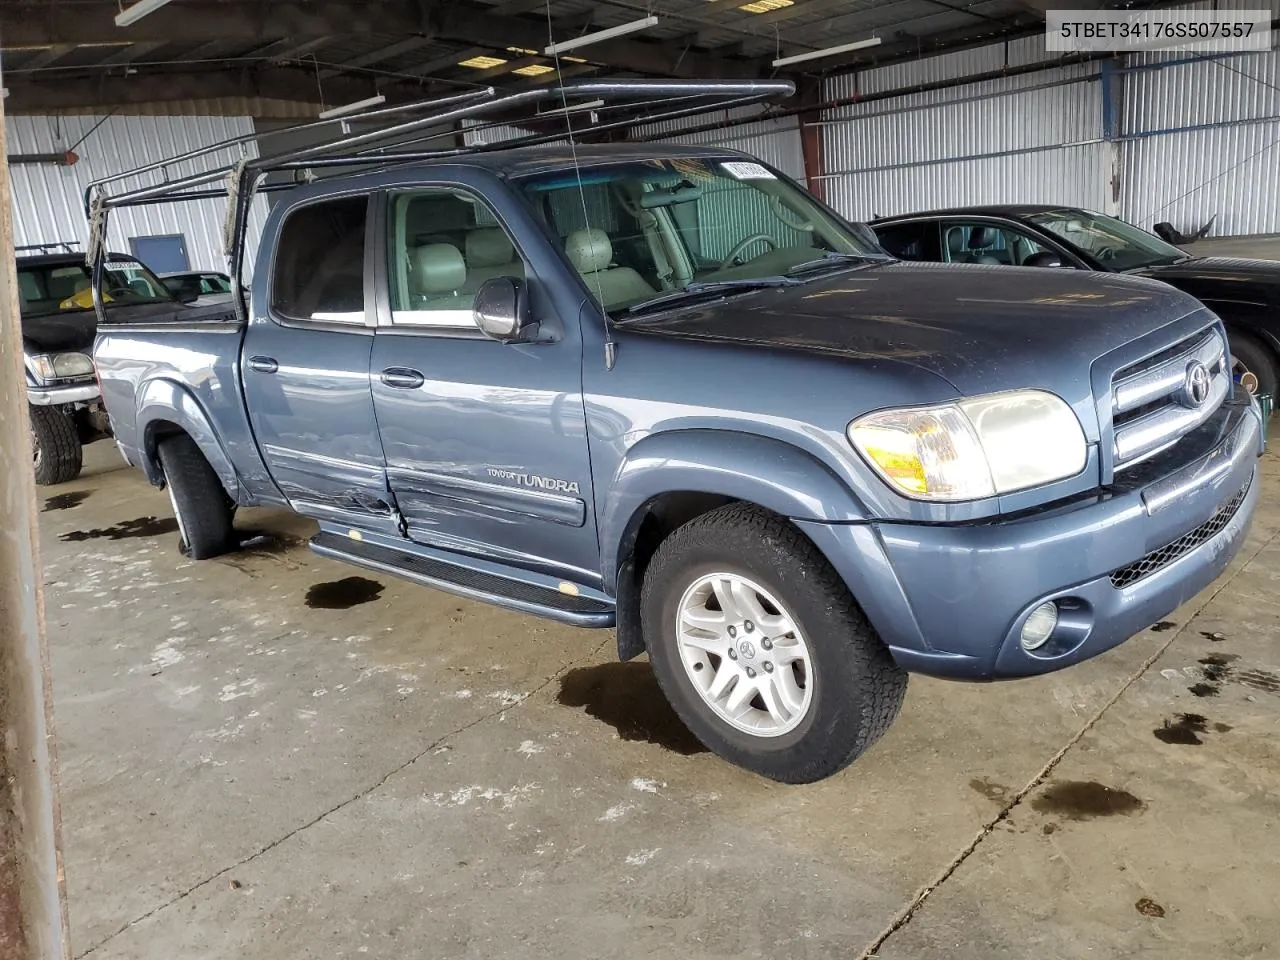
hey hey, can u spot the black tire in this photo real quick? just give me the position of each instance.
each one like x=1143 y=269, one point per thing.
x=1255 y=358
x=857 y=687
x=55 y=442
x=200 y=503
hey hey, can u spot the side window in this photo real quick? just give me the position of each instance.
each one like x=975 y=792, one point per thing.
x=319 y=262
x=906 y=241
x=443 y=245
x=989 y=243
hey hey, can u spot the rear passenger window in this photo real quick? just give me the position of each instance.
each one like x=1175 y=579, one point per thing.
x=444 y=244
x=906 y=241
x=319 y=262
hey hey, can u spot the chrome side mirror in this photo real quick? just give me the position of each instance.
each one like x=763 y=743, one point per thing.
x=501 y=310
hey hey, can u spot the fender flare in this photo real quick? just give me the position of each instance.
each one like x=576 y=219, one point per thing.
x=165 y=400
x=742 y=466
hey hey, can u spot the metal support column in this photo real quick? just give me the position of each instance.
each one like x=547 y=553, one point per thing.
x=1113 y=155
x=33 y=919
x=811 y=137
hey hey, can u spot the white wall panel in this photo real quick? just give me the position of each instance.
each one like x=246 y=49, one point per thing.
x=775 y=141
x=48 y=199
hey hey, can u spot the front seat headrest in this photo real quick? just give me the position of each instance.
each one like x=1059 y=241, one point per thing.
x=439 y=268
x=589 y=250
x=955 y=240
x=980 y=237
x=489 y=247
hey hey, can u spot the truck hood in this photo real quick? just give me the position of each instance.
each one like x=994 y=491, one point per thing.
x=982 y=328
x=1223 y=278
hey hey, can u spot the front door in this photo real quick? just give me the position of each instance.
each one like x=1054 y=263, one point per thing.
x=486 y=443
x=306 y=368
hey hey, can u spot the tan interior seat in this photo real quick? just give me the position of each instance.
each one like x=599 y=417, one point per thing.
x=591 y=254
x=490 y=254
x=439 y=278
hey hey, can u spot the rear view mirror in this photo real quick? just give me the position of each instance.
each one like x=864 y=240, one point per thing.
x=1045 y=258
x=187 y=293
x=501 y=310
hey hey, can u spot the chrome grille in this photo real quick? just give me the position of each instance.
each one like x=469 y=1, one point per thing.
x=1153 y=404
x=1161 y=558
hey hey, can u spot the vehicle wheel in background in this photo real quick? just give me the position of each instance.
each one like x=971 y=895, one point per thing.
x=200 y=503
x=762 y=650
x=1252 y=366
x=55 y=446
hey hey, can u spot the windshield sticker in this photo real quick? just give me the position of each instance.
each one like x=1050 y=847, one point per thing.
x=740 y=170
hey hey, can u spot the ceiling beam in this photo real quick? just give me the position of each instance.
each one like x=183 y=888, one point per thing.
x=198 y=21
x=447 y=61
x=131 y=53
x=296 y=50
x=30 y=94
x=42 y=60
x=389 y=52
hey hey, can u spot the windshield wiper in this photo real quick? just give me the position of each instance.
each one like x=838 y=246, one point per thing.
x=709 y=289
x=832 y=258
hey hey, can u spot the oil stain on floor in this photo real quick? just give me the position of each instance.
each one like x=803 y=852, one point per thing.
x=1085 y=800
x=1185 y=728
x=65 y=501
x=1149 y=908
x=343 y=594
x=125 y=530
x=627 y=697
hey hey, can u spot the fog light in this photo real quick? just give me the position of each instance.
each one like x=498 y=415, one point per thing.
x=1039 y=626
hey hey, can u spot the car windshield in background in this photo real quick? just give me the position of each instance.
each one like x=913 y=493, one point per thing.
x=643 y=231
x=58 y=288
x=1114 y=243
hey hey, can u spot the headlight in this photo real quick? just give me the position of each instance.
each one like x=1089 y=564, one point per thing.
x=62 y=366
x=973 y=448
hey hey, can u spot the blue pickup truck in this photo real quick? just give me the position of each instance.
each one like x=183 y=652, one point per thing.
x=665 y=390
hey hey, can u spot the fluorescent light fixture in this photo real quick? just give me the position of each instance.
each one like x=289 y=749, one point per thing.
x=356 y=107
x=132 y=14
x=572 y=108
x=534 y=70
x=828 y=52
x=764 y=6
x=588 y=38
x=524 y=50
x=574 y=59
x=482 y=63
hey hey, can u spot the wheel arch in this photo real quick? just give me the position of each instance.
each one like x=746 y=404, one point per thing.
x=669 y=479
x=165 y=409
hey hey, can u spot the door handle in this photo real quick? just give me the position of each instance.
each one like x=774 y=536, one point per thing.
x=403 y=378
x=263 y=364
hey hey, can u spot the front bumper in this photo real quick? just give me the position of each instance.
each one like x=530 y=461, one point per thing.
x=56 y=396
x=951 y=600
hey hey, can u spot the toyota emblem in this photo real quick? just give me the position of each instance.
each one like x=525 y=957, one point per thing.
x=1195 y=390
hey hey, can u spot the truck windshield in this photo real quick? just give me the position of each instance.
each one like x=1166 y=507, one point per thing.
x=46 y=289
x=1113 y=243
x=640 y=231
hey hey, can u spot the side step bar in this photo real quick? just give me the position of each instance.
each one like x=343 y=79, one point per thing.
x=476 y=584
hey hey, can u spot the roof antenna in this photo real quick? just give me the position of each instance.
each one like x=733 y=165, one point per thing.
x=610 y=345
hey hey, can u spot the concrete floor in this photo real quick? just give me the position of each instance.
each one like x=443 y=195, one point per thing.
x=271 y=756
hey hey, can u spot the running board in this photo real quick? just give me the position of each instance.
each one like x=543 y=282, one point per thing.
x=431 y=571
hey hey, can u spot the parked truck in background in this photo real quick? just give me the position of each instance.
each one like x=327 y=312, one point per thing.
x=663 y=389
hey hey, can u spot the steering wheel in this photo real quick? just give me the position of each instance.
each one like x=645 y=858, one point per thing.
x=743 y=244
x=788 y=216
x=1105 y=253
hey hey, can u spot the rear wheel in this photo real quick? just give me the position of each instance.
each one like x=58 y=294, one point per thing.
x=56 y=453
x=762 y=650
x=1251 y=365
x=200 y=503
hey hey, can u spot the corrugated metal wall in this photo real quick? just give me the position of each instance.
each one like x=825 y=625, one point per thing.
x=1229 y=168
x=1033 y=137
x=48 y=199
x=775 y=141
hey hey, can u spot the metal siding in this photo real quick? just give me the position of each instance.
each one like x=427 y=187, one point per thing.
x=775 y=141
x=47 y=199
x=1187 y=176
x=1026 y=138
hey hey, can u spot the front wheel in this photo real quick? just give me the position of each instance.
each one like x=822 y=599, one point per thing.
x=762 y=650
x=56 y=453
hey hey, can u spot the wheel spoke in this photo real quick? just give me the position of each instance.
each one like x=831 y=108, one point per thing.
x=736 y=705
x=724 y=676
x=704 y=619
x=788 y=651
x=747 y=602
x=788 y=689
x=776 y=705
x=723 y=588
x=700 y=641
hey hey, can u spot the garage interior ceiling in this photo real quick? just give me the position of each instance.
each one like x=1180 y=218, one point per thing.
x=62 y=54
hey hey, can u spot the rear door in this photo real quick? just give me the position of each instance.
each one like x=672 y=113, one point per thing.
x=486 y=443
x=306 y=366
